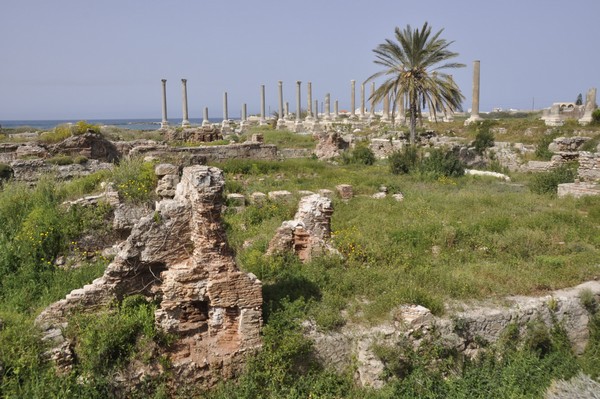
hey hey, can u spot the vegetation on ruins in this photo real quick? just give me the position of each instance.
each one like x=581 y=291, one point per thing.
x=453 y=238
x=412 y=65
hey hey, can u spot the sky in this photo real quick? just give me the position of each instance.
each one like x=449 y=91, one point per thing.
x=91 y=59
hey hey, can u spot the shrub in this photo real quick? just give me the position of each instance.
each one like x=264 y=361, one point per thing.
x=541 y=151
x=82 y=127
x=80 y=159
x=403 y=162
x=441 y=163
x=596 y=117
x=361 y=154
x=484 y=138
x=6 y=171
x=61 y=160
x=135 y=179
x=547 y=182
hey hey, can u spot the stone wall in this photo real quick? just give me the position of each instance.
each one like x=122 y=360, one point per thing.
x=178 y=256
x=589 y=166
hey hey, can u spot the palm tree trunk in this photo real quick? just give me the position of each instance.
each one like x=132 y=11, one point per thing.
x=413 y=120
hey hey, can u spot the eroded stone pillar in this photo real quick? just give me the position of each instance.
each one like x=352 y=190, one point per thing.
x=327 y=107
x=281 y=116
x=401 y=110
x=225 y=125
x=353 y=99
x=475 y=106
x=263 y=120
x=165 y=121
x=205 y=121
x=309 y=113
x=386 y=108
x=372 y=110
x=362 y=101
x=185 y=122
x=336 y=110
x=298 y=124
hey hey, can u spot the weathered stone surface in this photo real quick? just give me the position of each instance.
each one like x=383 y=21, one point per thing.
x=30 y=170
x=166 y=185
x=310 y=231
x=281 y=195
x=126 y=216
x=344 y=191
x=178 y=255
x=236 y=199
x=31 y=151
x=90 y=145
x=567 y=144
x=330 y=145
x=497 y=175
x=578 y=189
x=382 y=148
x=164 y=169
x=589 y=166
x=258 y=197
x=463 y=330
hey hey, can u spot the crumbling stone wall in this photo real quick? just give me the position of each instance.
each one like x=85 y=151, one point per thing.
x=179 y=256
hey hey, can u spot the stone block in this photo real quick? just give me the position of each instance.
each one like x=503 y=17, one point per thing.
x=344 y=191
x=164 y=169
x=258 y=198
x=236 y=199
x=326 y=193
x=282 y=195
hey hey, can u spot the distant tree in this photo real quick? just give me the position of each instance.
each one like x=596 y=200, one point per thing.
x=579 y=100
x=412 y=67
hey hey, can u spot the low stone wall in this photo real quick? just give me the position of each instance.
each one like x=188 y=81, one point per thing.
x=578 y=189
x=589 y=166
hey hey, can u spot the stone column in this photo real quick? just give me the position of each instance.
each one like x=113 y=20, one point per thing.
x=327 y=107
x=185 y=122
x=225 y=113
x=205 y=121
x=386 y=108
x=316 y=109
x=362 y=101
x=353 y=99
x=372 y=110
x=475 y=107
x=298 y=125
x=401 y=110
x=165 y=121
x=589 y=107
x=336 y=110
x=287 y=110
x=281 y=119
x=225 y=126
x=263 y=120
x=244 y=122
x=309 y=114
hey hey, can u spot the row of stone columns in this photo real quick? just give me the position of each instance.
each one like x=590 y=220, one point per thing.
x=283 y=112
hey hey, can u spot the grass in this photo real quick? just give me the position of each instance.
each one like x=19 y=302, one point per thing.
x=489 y=238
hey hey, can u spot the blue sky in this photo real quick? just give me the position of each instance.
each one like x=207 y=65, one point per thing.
x=92 y=59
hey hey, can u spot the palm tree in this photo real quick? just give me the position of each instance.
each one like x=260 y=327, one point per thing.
x=412 y=66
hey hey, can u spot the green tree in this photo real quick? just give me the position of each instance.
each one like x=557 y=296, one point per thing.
x=579 y=100
x=412 y=65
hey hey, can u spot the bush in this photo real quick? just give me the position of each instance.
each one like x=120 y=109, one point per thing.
x=361 y=155
x=135 y=180
x=596 y=117
x=542 y=152
x=403 y=162
x=442 y=163
x=484 y=138
x=547 y=182
x=61 y=160
x=6 y=171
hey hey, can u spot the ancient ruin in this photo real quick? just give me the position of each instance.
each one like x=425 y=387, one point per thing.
x=178 y=257
x=309 y=233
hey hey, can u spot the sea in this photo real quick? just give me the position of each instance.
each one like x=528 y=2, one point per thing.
x=132 y=124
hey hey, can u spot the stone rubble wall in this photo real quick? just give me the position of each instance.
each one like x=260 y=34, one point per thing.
x=464 y=330
x=178 y=255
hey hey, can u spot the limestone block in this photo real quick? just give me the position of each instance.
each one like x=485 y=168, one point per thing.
x=258 y=197
x=282 y=195
x=324 y=192
x=236 y=199
x=166 y=169
x=344 y=191
x=379 y=195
